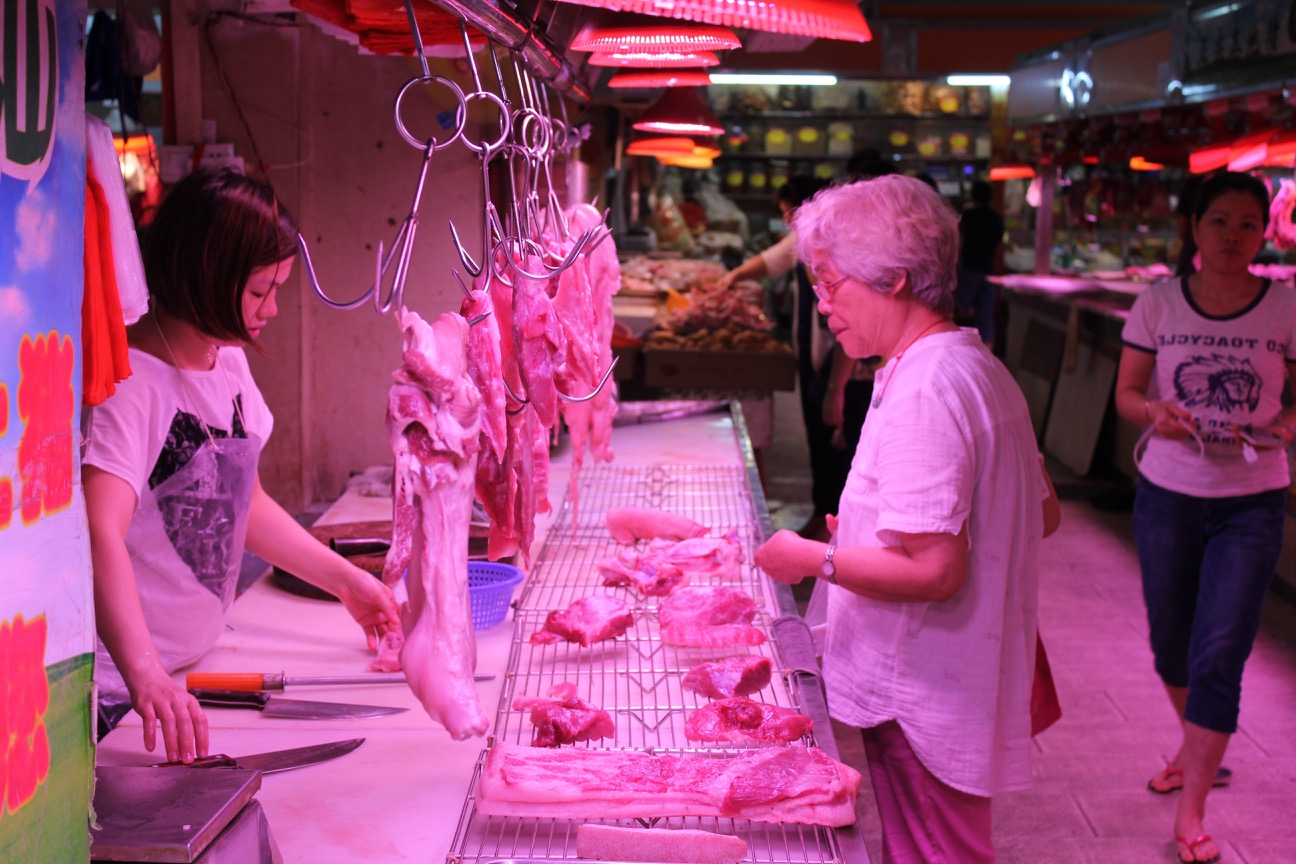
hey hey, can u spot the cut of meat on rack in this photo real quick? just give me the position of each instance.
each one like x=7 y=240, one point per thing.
x=771 y=784
x=657 y=845
x=732 y=676
x=629 y=524
x=433 y=426
x=564 y=718
x=708 y=617
x=743 y=720
x=590 y=619
x=701 y=557
x=667 y=564
x=630 y=570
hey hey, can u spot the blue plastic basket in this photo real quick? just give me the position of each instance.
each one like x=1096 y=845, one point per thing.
x=490 y=589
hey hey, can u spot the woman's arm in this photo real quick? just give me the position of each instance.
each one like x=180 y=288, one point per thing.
x=119 y=619
x=280 y=540
x=753 y=268
x=1132 y=379
x=924 y=567
x=1286 y=424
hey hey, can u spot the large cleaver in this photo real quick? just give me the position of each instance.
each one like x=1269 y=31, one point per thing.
x=300 y=709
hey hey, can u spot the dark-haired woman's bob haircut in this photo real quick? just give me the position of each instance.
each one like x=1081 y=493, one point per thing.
x=210 y=232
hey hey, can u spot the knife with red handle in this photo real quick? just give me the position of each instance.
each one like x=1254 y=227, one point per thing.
x=252 y=681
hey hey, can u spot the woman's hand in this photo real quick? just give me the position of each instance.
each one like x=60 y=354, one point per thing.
x=1169 y=419
x=371 y=604
x=159 y=700
x=788 y=558
x=834 y=406
x=1285 y=431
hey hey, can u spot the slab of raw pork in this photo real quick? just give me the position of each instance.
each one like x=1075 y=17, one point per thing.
x=433 y=425
x=701 y=557
x=665 y=845
x=732 y=676
x=590 y=619
x=771 y=784
x=746 y=721
x=564 y=718
x=703 y=616
x=646 y=576
x=629 y=524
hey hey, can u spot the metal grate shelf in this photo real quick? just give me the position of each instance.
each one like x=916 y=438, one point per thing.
x=636 y=677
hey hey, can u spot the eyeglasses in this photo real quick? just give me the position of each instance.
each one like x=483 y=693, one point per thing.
x=823 y=290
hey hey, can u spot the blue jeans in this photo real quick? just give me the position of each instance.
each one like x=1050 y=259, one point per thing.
x=1207 y=564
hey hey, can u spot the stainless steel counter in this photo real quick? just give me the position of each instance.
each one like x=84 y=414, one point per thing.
x=400 y=795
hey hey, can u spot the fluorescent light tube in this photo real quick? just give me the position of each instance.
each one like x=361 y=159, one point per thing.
x=978 y=80
x=764 y=78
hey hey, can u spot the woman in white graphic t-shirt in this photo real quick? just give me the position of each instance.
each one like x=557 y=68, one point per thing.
x=170 y=469
x=1203 y=368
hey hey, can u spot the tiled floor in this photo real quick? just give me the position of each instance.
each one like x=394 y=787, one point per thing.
x=1089 y=803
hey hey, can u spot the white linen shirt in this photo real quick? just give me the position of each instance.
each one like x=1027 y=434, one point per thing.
x=949 y=442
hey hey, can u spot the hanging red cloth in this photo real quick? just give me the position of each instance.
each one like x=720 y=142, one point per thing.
x=104 y=359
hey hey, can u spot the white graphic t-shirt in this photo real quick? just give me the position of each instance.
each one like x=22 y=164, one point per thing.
x=1227 y=371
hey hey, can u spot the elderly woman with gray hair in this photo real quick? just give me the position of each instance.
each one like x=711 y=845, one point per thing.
x=930 y=645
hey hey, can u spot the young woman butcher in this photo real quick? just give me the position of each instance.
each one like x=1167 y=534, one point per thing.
x=170 y=465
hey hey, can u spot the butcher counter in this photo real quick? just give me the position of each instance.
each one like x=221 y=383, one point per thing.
x=402 y=794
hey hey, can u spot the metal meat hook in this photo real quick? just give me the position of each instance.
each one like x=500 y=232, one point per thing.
x=467 y=292
x=564 y=397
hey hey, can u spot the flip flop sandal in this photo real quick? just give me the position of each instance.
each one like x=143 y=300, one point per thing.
x=1174 y=779
x=1192 y=850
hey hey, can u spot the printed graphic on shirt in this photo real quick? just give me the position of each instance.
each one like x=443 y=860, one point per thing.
x=1218 y=382
x=199 y=515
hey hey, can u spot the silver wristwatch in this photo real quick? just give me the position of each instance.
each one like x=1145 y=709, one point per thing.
x=828 y=568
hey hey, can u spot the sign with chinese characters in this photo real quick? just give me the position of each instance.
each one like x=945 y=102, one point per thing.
x=46 y=601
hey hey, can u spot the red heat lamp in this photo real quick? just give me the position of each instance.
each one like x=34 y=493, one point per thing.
x=822 y=19
x=650 y=80
x=1282 y=149
x=699 y=162
x=656 y=37
x=661 y=146
x=1138 y=163
x=1207 y=159
x=655 y=59
x=1012 y=171
x=680 y=111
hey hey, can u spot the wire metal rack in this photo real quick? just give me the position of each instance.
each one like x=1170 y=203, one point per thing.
x=636 y=677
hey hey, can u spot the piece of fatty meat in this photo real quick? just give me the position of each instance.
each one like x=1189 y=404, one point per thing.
x=702 y=616
x=628 y=524
x=742 y=720
x=769 y=784
x=657 y=845
x=434 y=428
x=648 y=577
x=732 y=676
x=564 y=718
x=590 y=619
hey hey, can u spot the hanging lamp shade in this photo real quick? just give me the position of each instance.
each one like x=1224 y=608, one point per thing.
x=1282 y=149
x=1206 y=159
x=649 y=80
x=1249 y=151
x=822 y=19
x=663 y=36
x=1012 y=171
x=686 y=161
x=680 y=111
x=659 y=145
x=655 y=59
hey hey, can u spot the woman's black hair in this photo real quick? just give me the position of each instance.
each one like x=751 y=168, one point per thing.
x=1206 y=194
x=798 y=189
x=208 y=235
